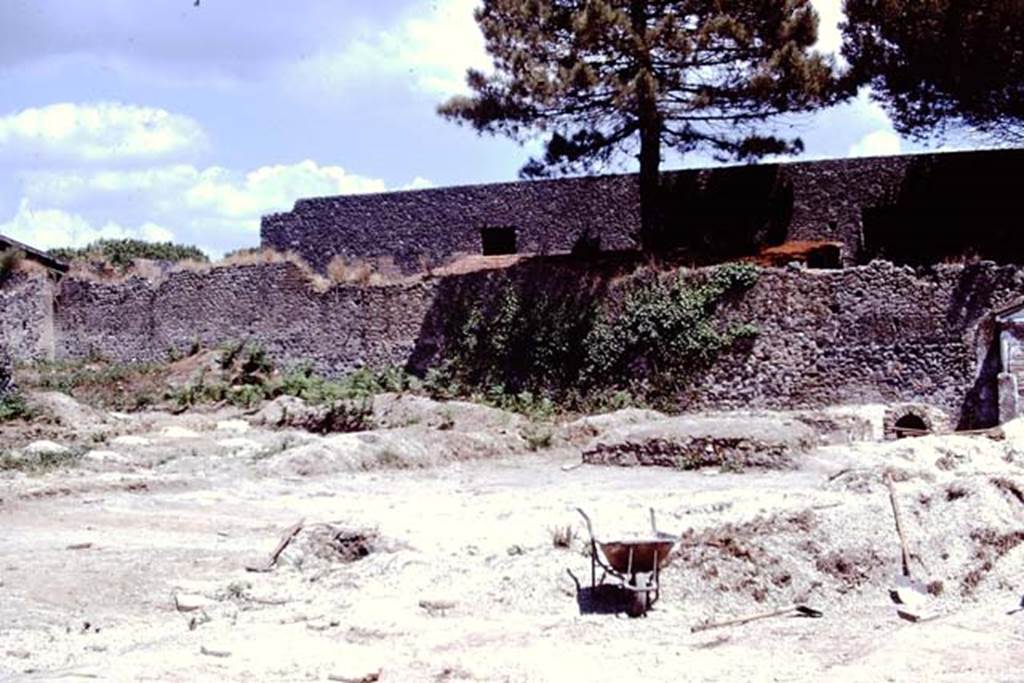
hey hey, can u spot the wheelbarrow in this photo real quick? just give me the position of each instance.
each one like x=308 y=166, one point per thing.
x=634 y=563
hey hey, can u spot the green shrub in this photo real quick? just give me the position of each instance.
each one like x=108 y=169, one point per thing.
x=538 y=436
x=301 y=382
x=10 y=259
x=14 y=407
x=38 y=464
x=121 y=253
x=664 y=332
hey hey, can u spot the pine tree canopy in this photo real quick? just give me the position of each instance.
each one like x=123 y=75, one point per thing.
x=938 y=62
x=584 y=71
x=604 y=78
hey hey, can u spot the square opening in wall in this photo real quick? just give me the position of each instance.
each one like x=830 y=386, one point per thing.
x=826 y=257
x=498 y=241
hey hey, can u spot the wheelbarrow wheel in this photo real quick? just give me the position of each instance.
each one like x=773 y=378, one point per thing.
x=637 y=605
x=638 y=602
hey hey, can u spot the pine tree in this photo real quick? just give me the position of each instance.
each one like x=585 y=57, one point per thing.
x=933 y=63
x=604 y=78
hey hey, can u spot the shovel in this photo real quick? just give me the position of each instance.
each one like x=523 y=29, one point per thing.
x=910 y=594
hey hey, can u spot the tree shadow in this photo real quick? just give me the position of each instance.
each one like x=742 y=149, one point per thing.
x=969 y=319
x=980 y=407
x=545 y=304
x=950 y=207
x=727 y=213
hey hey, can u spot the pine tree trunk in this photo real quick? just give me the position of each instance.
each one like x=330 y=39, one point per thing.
x=649 y=120
x=651 y=228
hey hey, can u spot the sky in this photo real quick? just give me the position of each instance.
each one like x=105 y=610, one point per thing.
x=166 y=121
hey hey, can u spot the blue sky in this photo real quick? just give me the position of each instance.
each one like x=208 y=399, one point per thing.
x=160 y=120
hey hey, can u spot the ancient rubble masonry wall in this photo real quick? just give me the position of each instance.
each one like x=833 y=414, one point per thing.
x=436 y=224
x=876 y=333
x=273 y=305
x=26 y=316
x=817 y=200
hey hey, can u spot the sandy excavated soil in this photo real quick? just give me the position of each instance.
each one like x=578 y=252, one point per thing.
x=130 y=565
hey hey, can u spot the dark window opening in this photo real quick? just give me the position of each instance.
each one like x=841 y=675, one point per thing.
x=498 y=241
x=910 y=425
x=826 y=257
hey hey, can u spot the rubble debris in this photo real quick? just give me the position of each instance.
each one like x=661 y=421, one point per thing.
x=325 y=545
x=437 y=607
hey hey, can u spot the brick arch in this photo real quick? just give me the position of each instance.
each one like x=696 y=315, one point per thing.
x=910 y=416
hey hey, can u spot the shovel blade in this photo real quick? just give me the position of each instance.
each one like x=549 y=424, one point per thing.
x=907 y=591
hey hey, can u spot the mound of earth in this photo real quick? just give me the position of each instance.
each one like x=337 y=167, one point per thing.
x=405 y=448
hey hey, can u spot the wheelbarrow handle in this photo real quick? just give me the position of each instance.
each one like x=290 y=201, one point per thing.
x=590 y=528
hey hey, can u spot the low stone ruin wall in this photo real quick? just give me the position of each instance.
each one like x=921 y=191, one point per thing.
x=26 y=316
x=688 y=444
x=870 y=334
x=273 y=305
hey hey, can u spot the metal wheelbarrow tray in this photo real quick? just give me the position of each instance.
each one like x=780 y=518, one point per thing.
x=635 y=563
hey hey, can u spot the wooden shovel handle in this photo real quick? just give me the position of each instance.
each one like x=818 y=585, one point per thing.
x=899 y=525
x=798 y=609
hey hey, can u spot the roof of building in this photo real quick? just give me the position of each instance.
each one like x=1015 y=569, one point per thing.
x=1003 y=313
x=40 y=257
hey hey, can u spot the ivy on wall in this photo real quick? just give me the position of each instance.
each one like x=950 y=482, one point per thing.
x=580 y=348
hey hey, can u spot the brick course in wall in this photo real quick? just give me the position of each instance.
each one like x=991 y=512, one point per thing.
x=710 y=210
x=865 y=334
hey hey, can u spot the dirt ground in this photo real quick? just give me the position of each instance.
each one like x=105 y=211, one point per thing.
x=427 y=553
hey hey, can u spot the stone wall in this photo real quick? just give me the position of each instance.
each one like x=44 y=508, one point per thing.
x=715 y=212
x=865 y=334
x=26 y=316
x=275 y=305
x=877 y=333
x=432 y=225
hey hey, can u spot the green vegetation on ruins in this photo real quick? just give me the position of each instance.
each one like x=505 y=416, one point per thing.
x=530 y=349
x=14 y=407
x=39 y=463
x=520 y=345
x=10 y=259
x=122 y=253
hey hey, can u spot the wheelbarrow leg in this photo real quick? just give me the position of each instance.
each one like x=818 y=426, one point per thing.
x=593 y=549
x=657 y=585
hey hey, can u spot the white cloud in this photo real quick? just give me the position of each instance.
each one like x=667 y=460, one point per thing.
x=272 y=188
x=215 y=207
x=49 y=228
x=431 y=51
x=830 y=13
x=877 y=143
x=100 y=132
x=418 y=183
